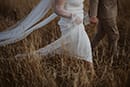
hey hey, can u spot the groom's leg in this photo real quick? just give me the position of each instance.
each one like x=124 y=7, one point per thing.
x=113 y=35
x=99 y=35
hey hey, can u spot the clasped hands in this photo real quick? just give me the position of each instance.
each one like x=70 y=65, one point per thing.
x=93 y=20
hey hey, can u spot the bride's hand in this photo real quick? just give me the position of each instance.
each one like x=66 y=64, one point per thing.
x=76 y=19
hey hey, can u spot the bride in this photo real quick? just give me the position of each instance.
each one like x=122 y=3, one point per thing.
x=74 y=39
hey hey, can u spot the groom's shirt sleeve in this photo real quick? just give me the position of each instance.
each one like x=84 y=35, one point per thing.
x=93 y=7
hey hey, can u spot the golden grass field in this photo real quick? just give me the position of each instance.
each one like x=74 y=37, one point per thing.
x=60 y=70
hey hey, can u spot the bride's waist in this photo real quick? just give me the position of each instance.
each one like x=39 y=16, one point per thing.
x=66 y=23
x=76 y=11
x=81 y=15
x=64 y=20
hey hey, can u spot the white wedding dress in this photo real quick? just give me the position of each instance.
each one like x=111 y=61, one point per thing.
x=74 y=39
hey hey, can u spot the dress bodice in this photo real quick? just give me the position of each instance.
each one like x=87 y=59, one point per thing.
x=75 y=6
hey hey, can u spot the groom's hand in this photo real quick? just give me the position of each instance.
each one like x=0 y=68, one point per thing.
x=93 y=20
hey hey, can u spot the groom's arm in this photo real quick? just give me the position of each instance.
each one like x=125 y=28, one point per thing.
x=93 y=11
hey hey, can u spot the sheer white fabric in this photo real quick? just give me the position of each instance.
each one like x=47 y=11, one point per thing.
x=24 y=27
x=74 y=39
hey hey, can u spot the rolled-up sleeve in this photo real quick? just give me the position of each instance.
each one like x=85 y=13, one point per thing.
x=93 y=7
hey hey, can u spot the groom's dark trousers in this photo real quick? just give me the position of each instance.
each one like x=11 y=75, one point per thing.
x=106 y=11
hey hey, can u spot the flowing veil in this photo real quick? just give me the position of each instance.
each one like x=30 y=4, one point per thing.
x=29 y=24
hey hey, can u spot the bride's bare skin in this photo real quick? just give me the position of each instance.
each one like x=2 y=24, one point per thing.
x=59 y=10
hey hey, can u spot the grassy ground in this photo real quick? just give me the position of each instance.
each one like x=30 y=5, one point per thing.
x=60 y=70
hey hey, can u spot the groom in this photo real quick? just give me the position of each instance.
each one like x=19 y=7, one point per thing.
x=106 y=12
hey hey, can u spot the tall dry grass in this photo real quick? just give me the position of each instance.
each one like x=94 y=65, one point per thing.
x=60 y=70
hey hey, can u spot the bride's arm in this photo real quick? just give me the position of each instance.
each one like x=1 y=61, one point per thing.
x=59 y=9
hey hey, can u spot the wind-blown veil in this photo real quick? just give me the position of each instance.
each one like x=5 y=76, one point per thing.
x=26 y=26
